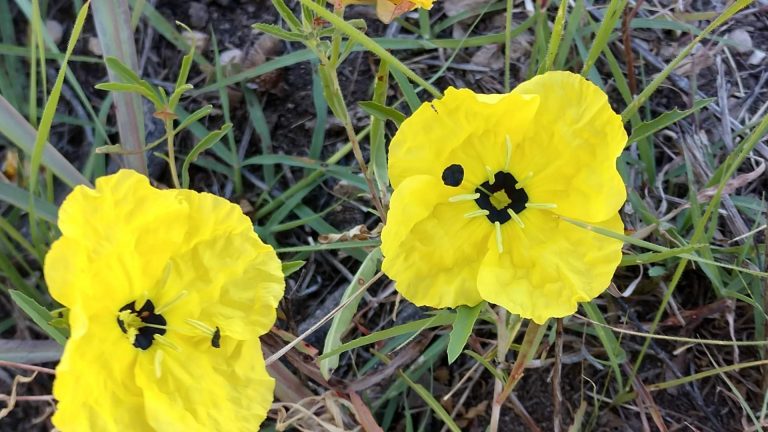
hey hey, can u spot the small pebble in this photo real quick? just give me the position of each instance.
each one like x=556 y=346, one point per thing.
x=198 y=14
x=742 y=42
x=94 y=46
x=55 y=30
x=197 y=39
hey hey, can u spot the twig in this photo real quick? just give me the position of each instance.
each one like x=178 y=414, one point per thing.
x=557 y=394
x=28 y=367
x=276 y=356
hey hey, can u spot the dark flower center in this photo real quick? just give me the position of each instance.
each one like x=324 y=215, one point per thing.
x=145 y=322
x=501 y=197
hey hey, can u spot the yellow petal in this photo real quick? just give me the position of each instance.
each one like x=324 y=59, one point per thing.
x=551 y=267
x=571 y=147
x=227 y=389
x=430 y=249
x=461 y=128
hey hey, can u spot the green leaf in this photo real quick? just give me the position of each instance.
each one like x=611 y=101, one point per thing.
x=290 y=267
x=40 y=315
x=204 y=144
x=616 y=354
x=441 y=318
x=432 y=402
x=287 y=14
x=652 y=126
x=383 y=112
x=343 y=319
x=279 y=33
x=462 y=328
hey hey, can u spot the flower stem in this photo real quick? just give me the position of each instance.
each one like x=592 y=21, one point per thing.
x=531 y=342
x=171 y=154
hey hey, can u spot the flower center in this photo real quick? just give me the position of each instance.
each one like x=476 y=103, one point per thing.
x=501 y=196
x=141 y=325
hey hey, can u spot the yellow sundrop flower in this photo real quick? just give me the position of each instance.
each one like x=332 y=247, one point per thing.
x=482 y=187
x=168 y=292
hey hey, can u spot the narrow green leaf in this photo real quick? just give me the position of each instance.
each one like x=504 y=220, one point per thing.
x=40 y=315
x=279 y=33
x=343 y=319
x=432 y=402
x=554 y=40
x=652 y=126
x=383 y=112
x=462 y=329
x=18 y=197
x=204 y=144
x=290 y=267
x=616 y=354
x=611 y=17
x=441 y=318
x=287 y=14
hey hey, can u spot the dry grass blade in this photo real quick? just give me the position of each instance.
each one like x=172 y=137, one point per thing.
x=112 y=19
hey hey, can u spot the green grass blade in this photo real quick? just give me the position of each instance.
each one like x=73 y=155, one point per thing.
x=40 y=315
x=20 y=132
x=431 y=402
x=662 y=121
x=659 y=79
x=554 y=40
x=612 y=15
x=207 y=142
x=441 y=318
x=462 y=329
x=343 y=319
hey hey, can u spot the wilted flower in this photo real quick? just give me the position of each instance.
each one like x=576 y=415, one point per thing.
x=483 y=185
x=168 y=292
x=388 y=10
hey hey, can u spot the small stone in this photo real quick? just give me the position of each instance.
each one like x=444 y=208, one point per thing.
x=197 y=39
x=741 y=41
x=55 y=30
x=198 y=14
x=231 y=61
x=94 y=46
x=756 y=58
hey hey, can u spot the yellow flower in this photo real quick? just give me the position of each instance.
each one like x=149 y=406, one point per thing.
x=168 y=293
x=482 y=186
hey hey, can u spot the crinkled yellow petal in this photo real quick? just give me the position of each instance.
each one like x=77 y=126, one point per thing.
x=550 y=266
x=430 y=249
x=461 y=128
x=227 y=389
x=95 y=387
x=123 y=216
x=571 y=147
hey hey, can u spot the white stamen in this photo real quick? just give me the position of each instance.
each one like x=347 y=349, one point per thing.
x=203 y=327
x=476 y=213
x=464 y=197
x=163 y=340
x=173 y=301
x=499 y=241
x=516 y=218
x=525 y=180
x=159 y=363
x=509 y=153
x=541 y=206
x=491 y=177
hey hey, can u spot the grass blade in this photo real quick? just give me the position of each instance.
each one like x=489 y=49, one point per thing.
x=112 y=20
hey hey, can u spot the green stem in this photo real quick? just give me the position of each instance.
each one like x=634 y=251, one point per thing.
x=171 y=154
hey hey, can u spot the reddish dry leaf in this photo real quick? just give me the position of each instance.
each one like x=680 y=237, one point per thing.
x=363 y=414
